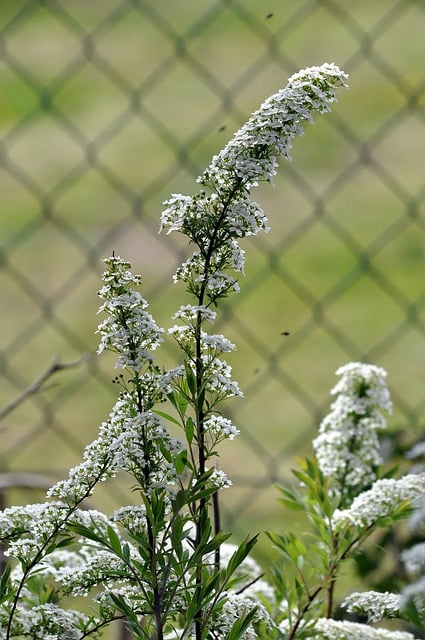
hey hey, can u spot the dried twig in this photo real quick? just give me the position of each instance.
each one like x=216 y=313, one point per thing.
x=35 y=386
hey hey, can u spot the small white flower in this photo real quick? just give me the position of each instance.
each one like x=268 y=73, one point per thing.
x=218 y=378
x=329 y=629
x=414 y=594
x=235 y=606
x=190 y=312
x=380 y=501
x=347 y=447
x=414 y=558
x=374 y=604
x=219 y=479
x=220 y=428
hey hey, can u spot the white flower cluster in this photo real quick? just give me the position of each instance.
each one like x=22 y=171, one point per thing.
x=213 y=344
x=381 y=501
x=416 y=520
x=414 y=557
x=54 y=568
x=365 y=385
x=100 y=568
x=236 y=606
x=249 y=156
x=196 y=274
x=47 y=621
x=220 y=428
x=215 y=220
x=219 y=479
x=216 y=373
x=129 y=440
x=132 y=517
x=20 y=520
x=329 y=629
x=130 y=593
x=218 y=379
x=347 y=448
x=374 y=604
x=190 y=312
x=128 y=330
x=414 y=595
x=29 y=527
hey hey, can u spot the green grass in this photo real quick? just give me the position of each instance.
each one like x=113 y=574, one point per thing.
x=313 y=250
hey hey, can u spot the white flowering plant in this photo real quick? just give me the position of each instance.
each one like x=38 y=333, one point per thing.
x=345 y=496
x=163 y=565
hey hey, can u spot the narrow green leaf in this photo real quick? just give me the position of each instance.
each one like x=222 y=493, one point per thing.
x=60 y=544
x=86 y=532
x=167 y=416
x=240 y=554
x=291 y=504
x=65 y=542
x=114 y=541
x=191 y=381
x=201 y=398
x=126 y=552
x=5 y=584
x=121 y=604
x=189 y=429
x=181 y=462
x=241 y=625
x=179 y=399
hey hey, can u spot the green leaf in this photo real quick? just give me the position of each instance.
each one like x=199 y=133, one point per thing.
x=86 y=532
x=65 y=542
x=179 y=500
x=240 y=554
x=6 y=590
x=201 y=399
x=203 y=494
x=191 y=380
x=114 y=541
x=179 y=399
x=241 y=625
x=126 y=552
x=121 y=604
x=167 y=416
x=304 y=478
x=189 y=429
x=205 y=548
x=291 y=500
x=181 y=462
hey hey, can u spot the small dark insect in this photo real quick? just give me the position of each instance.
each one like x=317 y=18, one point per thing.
x=285 y=333
x=269 y=15
x=222 y=128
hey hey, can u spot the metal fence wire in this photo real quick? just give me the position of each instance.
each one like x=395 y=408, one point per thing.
x=107 y=108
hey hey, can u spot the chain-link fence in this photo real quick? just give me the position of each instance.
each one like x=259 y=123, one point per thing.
x=108 y=107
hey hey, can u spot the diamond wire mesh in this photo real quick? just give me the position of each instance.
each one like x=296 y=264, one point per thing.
x=108 y=108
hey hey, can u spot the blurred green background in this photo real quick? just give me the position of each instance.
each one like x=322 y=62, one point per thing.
x=108 y=107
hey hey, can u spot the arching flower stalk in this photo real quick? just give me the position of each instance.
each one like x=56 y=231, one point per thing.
x=215 y=219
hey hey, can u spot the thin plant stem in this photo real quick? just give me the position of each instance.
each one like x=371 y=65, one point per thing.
x=199 y=409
